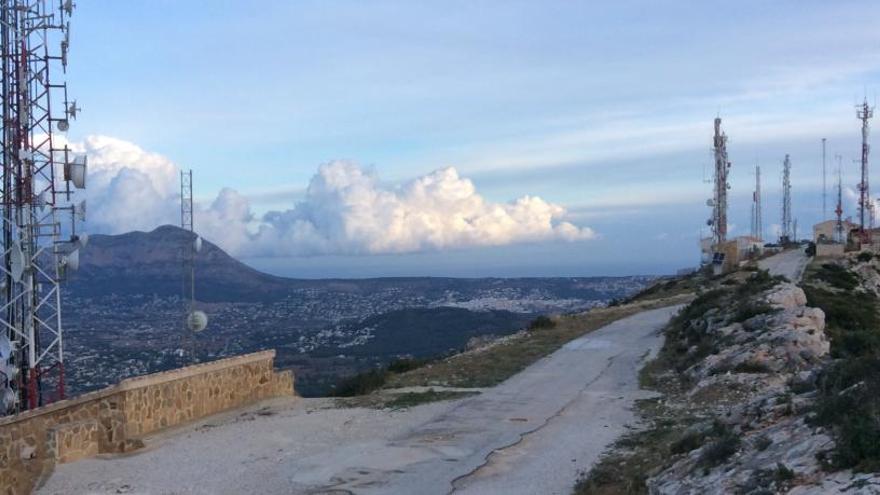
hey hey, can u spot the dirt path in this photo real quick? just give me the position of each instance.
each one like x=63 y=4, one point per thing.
x=531 y=434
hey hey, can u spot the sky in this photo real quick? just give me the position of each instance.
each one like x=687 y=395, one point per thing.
x=464 y=138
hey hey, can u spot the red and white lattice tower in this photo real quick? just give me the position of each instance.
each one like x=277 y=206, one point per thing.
x=40 y=173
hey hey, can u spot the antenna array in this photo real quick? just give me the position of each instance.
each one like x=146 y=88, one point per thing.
x=39 y=175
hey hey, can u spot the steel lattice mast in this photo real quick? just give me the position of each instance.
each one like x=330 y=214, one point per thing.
x=864 y=113
x=718 y=222
x=838 y=230
x=39 y=240
x=786 y=233
x=757 y=224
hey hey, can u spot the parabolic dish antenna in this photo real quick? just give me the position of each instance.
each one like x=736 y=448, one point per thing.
x=75 y=171
x=5 y=347
x=197 y=244
x=197 y=321
x=71 y=261
x=81 y=210
x=81 y=240
x=9 y=371
x=16 y=261
x=63 y=125
x=8 y=398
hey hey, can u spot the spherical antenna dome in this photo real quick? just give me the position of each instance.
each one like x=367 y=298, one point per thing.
x=197 y=321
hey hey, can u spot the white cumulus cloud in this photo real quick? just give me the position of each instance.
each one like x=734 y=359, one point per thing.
x=346 y=210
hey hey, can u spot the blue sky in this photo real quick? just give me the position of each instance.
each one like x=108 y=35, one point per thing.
x=602 y=108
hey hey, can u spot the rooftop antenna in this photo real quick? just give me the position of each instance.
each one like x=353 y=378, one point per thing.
x=40 y=244
x=718 y=222
x=757 y=225
x=195 y=320
x=839 y=210
x=864 y=112
x=786 y=234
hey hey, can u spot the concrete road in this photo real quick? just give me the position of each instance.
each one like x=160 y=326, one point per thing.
x=790 y=264
x=532 y=434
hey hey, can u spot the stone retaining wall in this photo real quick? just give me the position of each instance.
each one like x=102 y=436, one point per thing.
x=112 y=420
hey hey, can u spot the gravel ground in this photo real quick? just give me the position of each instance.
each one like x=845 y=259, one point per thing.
x=533 y=433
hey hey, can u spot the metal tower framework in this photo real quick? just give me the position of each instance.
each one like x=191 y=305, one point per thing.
x=189 y=252
x=786 y=233
x=39 y=173
x=824 y=185
x=718 y=222
x=864 y=113
x=838 y=211
x=757 y=223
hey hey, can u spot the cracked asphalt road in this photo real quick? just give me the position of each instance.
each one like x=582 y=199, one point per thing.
x=532 y=434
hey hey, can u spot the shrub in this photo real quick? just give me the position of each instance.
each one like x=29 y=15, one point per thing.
x=719 y=451
x=837 y=276
x=542 y=323
x=750 y=367
x=865 y=256
x=361 y=384
x=403 y=365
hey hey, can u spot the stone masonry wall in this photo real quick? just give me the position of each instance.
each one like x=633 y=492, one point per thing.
x=112 y=420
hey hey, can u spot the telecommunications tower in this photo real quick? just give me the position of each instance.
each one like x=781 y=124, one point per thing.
x=864 y=113
x=824 y=185
x=195 y=321
x=838 y=228
x=757 y=225
x=40 y=174
x=718 y=222
x=786 y=234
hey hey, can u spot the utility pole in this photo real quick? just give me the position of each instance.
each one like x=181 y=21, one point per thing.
x=864 y=113
x=786 y=234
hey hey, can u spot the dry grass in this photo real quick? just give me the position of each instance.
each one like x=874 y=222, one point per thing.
x=492 y=365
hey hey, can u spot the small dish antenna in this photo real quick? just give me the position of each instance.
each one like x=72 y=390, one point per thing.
x=75 y=171
x=81 y=240
x=71 y=261
x=5 y=347
x=197 y=321
x=16 y=261
x=63 y=125
x=197 y=244
x=8 y=398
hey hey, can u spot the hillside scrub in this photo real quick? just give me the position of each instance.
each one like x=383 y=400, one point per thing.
x=849 y=388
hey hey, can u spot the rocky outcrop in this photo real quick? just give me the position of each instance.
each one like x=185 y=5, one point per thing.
x=772 y=448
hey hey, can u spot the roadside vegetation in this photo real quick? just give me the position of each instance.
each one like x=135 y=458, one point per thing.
x=848 y=399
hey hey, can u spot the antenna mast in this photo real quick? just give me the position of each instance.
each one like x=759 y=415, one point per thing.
x=757 y=226
x=195 y=321
x=786 y=234
x=839 y=210
x=39 y=175
x=719 y=200
x=824 y=187
x=864 y=113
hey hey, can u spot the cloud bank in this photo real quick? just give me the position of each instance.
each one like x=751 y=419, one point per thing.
x=346 y=210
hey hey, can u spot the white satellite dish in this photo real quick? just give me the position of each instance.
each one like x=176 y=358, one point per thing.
x=10 y=370
x=8 y=398
x=5 y=347
x=71 y=261
x=81 y=240
x=16 y=261
x=75 y=171
x=63 y=125
x=197 y=244
x=197 y=321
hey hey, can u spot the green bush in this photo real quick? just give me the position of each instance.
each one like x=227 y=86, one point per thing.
x=865 y=256
x=403 y=365
x=719 y=451
x=542 y=323
x=361 y=384
x=837 y=276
